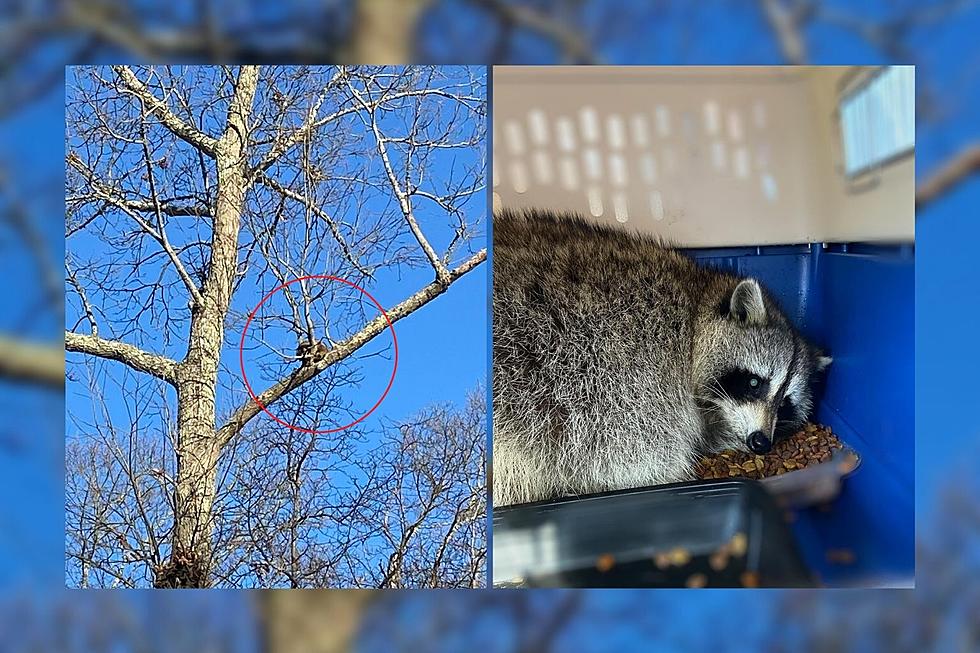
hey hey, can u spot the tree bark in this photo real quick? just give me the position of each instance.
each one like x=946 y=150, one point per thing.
x=317 y=621
x=949 y=175
x=384 y=31
x=198 y=448
x=34 y=363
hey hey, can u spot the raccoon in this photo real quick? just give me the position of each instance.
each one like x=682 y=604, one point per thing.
x=308 y=351
x=618 y=361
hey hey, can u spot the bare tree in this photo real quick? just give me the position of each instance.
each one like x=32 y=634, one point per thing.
x=186 y=185
x=435 y=485
x=308 y=510
x=292 y=509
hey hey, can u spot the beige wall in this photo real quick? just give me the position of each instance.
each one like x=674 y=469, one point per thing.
x=879 y=205
x=704 y=156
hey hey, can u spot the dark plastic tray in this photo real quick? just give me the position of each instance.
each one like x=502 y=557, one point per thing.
x=664 y=536
x=814 y=484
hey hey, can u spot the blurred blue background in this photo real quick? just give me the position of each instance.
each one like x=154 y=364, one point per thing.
x=939 y=37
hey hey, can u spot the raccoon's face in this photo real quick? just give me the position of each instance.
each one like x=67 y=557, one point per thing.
x=755 y=385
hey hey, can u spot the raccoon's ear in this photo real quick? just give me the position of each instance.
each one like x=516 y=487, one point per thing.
x=746 y=303
x=822 y=361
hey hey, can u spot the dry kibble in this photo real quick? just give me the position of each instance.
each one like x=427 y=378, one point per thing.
x=812 y=445
x=848 y=465
x=679 y=556
x=718 y=560
x=605 y=562
x=738 y=545
x=696 y=581
x=749 y=579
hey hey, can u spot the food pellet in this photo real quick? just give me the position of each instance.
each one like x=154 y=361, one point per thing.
x=812 y=445
x=679 y=556
x=749 y=579
x=605 y=562
x=848 y=464
x=696 y=581
x=738 y=544
x=718 y=560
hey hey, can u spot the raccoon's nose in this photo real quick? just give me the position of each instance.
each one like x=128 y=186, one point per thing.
x=759 y=443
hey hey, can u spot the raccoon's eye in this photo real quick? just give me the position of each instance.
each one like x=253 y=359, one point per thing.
x=742 y=385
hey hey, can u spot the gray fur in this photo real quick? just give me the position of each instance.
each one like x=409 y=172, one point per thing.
x=608 y=348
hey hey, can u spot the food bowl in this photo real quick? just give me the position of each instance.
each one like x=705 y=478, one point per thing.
x=717 y=533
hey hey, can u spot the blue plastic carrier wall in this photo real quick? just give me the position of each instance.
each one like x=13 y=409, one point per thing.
x=857 y=302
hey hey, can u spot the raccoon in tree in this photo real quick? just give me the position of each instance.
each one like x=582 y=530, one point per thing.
x=618 y=361
x=310 y=351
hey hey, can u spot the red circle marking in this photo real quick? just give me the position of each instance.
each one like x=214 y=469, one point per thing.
x=241 y=354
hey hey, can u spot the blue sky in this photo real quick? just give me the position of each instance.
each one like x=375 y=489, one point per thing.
x=947 y=307
x=31 y=462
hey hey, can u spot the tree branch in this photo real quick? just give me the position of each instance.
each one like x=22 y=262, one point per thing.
x=371 y=330
x=39 y=364
x=282 y=146
x=404 y=200
x=86 y=307
x=158 y=234
x=548 y=631
x=159 y=366
x=163 y=113
x=265 y=180
x=171 y=208
x=574 y=46
x=949 y=175
x=787 y=22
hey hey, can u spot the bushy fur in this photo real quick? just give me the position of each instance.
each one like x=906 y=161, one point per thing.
x=617 y=360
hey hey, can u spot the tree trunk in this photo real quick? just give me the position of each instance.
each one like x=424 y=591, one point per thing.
x=384 y=31
x=198 y=448
x=197 y=459
x=316 y=621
